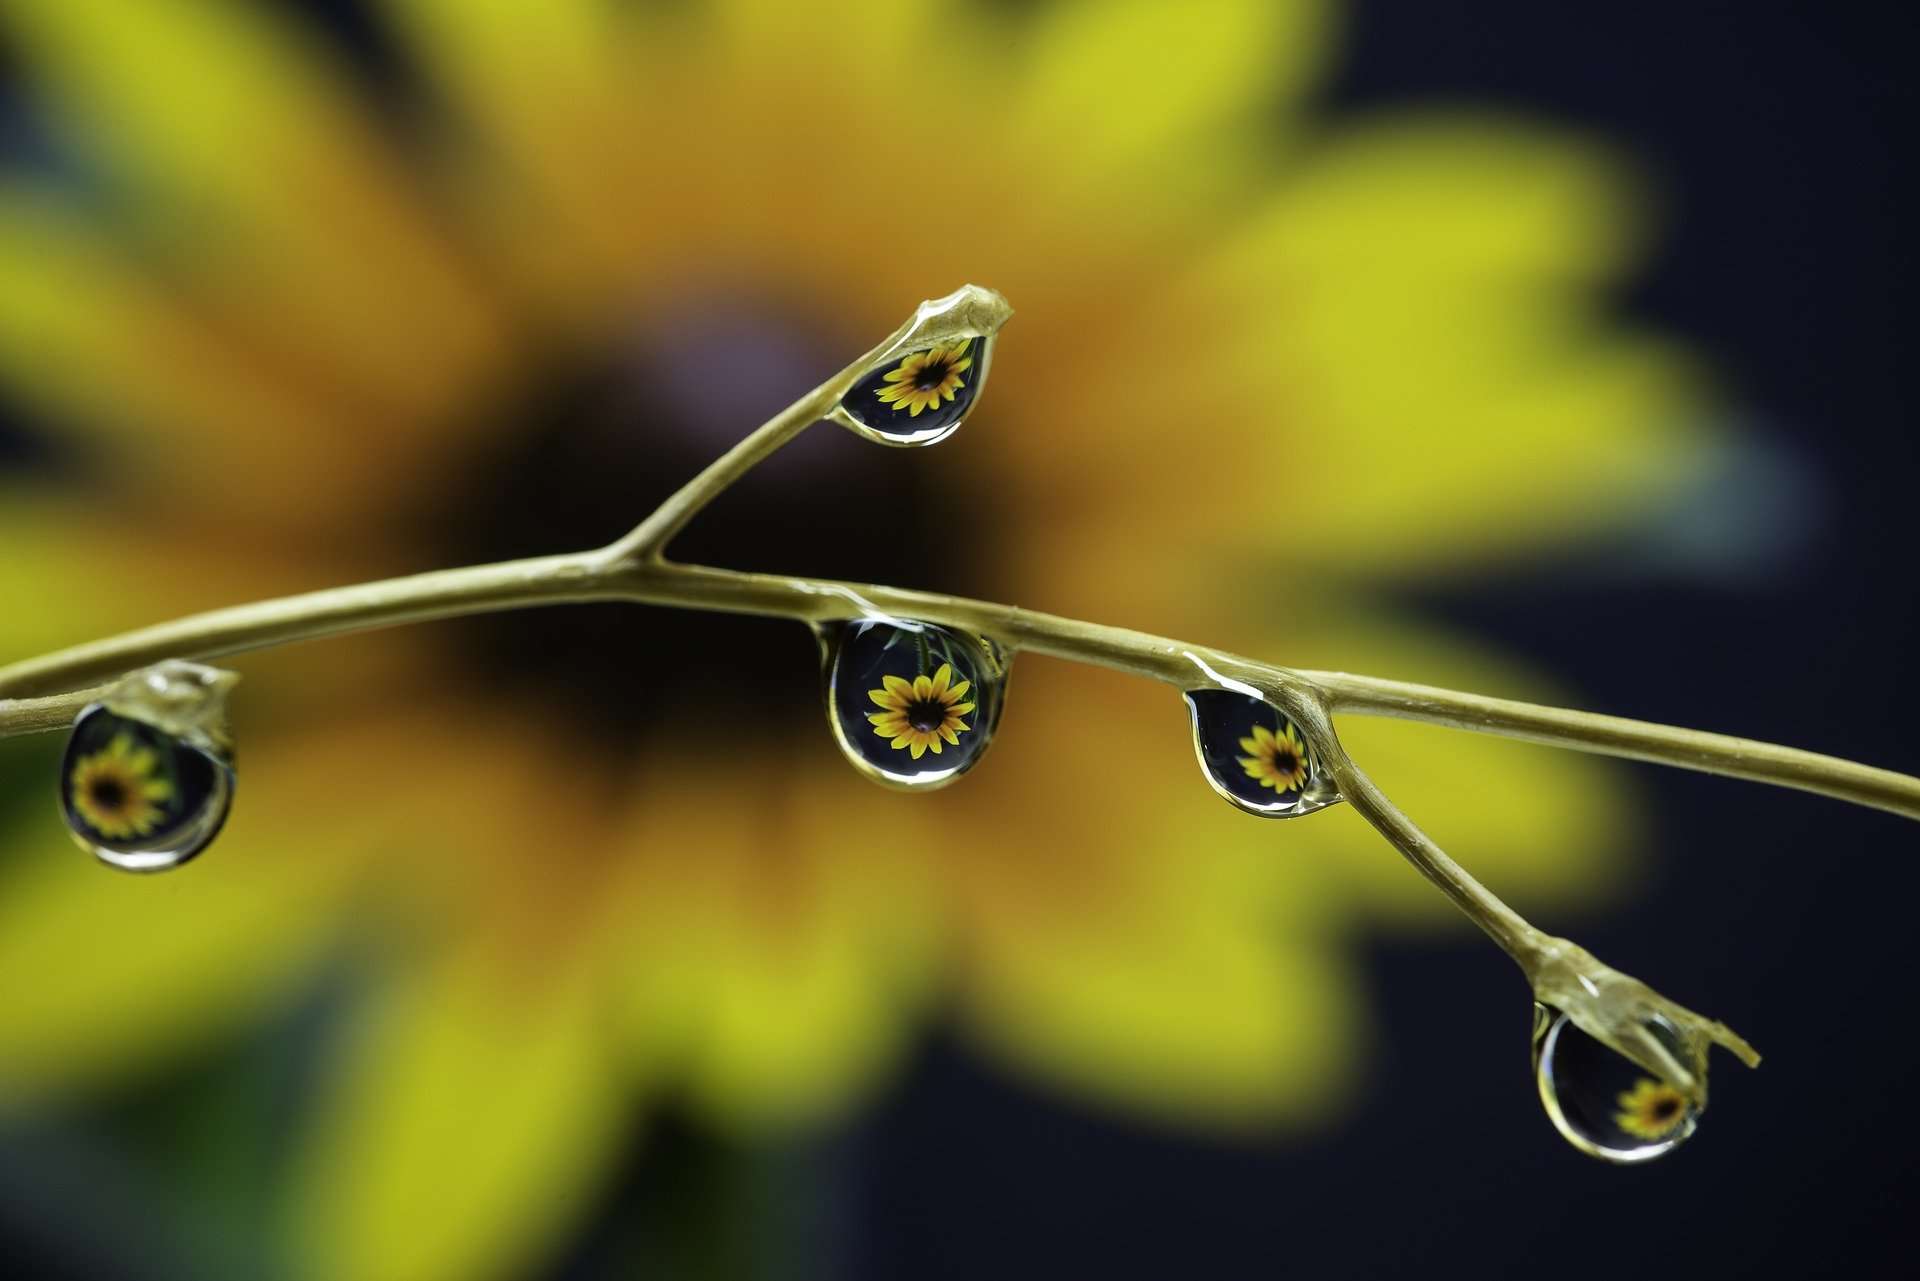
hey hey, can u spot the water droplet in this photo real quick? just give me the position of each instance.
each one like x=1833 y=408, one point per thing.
x=1255 y=756
x=918 y=396
x=1603 y=1103
x=912 y=704
x=146 y=782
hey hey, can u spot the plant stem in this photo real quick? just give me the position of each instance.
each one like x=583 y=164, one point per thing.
x=603 y=576
x=635 y=569
x=37 y=715
x=1724 y=754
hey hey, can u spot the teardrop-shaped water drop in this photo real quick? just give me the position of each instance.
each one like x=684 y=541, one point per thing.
x=919 y=396
x=1255 y=756
x=912 y=705
x=1603 y=1103
x=139 y=798
x=147 y=779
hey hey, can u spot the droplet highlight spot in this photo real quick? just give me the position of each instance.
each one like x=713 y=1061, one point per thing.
x=918 y=397
x=1255 y=756
x=140 y=798
x=1603 y=1103
x=912 y=705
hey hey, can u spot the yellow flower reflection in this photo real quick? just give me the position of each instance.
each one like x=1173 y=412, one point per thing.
x=590 y=867
x=1651 y=1110
x=1278 y=760
x=117 y=791
x=920 y=713
x=925 y=378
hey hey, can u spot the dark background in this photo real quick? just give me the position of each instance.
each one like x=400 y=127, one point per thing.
x=1778 y=604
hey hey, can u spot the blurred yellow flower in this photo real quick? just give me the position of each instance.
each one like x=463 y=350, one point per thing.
x=1650 y=1110
x=116 y=792
x=290 y=335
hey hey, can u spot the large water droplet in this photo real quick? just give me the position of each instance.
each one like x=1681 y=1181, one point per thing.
x=920 y=396
x=139 y=798
x=912 y=704
x=1255 y=756
x=1603 y=1103
x=146 y=782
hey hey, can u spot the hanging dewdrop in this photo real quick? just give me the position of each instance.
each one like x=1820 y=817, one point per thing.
x=927 y=381
x=915 y=687
x=147 y=779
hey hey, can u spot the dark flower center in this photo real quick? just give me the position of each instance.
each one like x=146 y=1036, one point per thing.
x=108 y=793
x=931 y=376
x=1286 y=763
x=1666 y=1109
x=587 y=444
x=927 y=715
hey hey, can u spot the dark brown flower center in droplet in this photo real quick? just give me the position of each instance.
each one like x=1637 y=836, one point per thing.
x=931 y=376
x=1666 y=1109
x=927 y=715
x=109 y=794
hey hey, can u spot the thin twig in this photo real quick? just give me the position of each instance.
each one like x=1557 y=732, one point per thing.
x=635 y=569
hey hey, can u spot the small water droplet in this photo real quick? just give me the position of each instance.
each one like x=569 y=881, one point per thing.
x=912 y=704
x=146 y=782
x=1603 y=1103
x=1255 y=756
x=919 y=396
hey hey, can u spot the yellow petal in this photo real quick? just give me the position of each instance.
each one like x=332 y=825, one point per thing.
x=1165 y=890
x=898 y=687
x=111 y=356
x=1471 y=250
x=131 y=972
x=564 y=155
x=325 y=252
x=959 y=689
x=1214 y=1023
x=782 y=1004
x=883 y=698
x=1198 y=67
x=468 y=1121
x=922 y=688
x=938 y=686
x=113 y=564
x=919 y=747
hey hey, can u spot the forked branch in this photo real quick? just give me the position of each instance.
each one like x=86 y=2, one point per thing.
x=46 y=692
